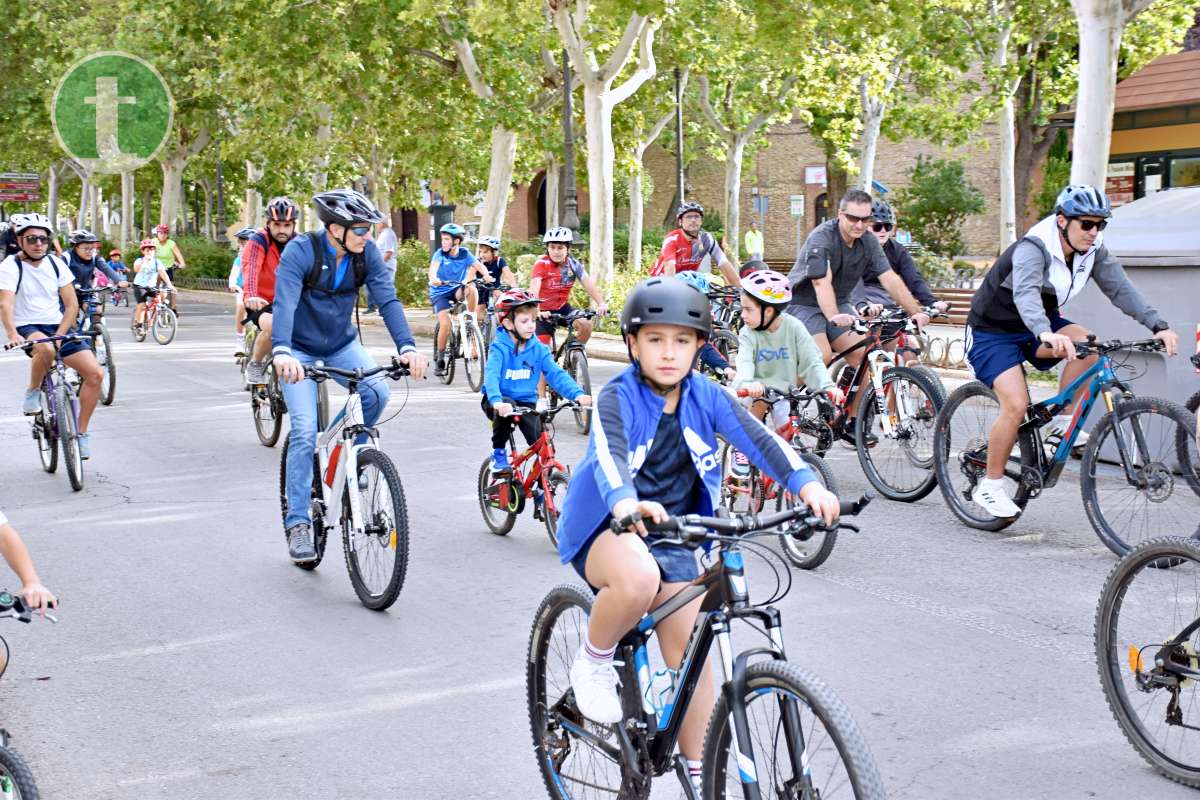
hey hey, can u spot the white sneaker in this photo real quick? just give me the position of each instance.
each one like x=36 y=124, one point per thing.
x=32 y=404
x=595 y=688
x=1057 y=426
x=993 y=496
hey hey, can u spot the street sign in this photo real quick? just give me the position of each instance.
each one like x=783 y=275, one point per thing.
x=20 y=197
x=796 y=204
x=20 y=187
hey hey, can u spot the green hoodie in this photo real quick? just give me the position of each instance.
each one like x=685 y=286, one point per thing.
x=776 y=358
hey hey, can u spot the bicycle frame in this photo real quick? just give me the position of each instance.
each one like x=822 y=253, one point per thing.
x=541 y=453
x=337 y=455
x=877 y=360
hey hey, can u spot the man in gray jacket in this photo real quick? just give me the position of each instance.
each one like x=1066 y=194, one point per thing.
x=1015 y=318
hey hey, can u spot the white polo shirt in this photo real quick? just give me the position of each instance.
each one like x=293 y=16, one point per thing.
x=38 y=301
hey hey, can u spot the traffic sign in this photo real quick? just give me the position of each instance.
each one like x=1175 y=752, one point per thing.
x=20 y=187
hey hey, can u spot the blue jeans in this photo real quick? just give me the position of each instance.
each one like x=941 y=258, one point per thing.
x=301 y=399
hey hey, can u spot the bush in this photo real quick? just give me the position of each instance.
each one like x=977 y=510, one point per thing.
x=936 y=202
x=936 y=270
x=412 y=272
x=1055 y=175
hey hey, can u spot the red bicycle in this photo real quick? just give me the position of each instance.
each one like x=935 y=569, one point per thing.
x=748 y=489
x=535 y=475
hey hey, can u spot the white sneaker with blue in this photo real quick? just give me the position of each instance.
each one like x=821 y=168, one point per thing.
x=500 y=461
x=84 y=443
x=32 y=404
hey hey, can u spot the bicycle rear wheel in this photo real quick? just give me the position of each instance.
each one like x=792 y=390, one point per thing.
x=165 y=325
x=555 y=492
x=104 y=355
x=805 y=742
x=499 y=520
x=900 y=464
x=377 y=556
x=812 y=552
x=960 y=441
x=315 y=508
x=68 y=433
x=726 y=344
x=577 y=368
x=447 y=378
x=45 y=433
x=473 y=366
x=267 y=406
x=16 y=778
x=579 y=759
x=1149 y=597
x=1163 y=500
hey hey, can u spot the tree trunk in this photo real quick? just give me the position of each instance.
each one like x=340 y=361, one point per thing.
x=634 y=255
x=324 y=134
x=553 y=203
x=873 y=109
x=172 y=170
x=1033 y=144
x=733 y=196
x=208 y=207
x=52 y=198
x=146 y=198
x=85 y=191
x=97 y=209
x=1101 y=23
x=1007 y=125
x=495 y=204
x=252 y=210
x=601 y=158
x=126 y=209
x=836 y=183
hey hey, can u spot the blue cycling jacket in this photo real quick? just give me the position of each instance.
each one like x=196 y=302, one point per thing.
x=623 y=427
x=512 y=374
x=84 y=271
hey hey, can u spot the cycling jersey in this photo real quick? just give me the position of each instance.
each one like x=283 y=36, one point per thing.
x=687 y=253
x=557 y=280
x=872 y=291
x=260 y=260
x=512 y=374
x=623 y=428
x=1030 y=281
x=452 y=270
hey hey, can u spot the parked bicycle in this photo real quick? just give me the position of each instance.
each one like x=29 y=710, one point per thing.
x=1147 y=637
x=16 y=778
x=160 y=318
x=572 y=357
x=57 y=423
x=751 y=490
x=465 y=342
x=777 y=730
x=535 y=475
x=91 y=317
x=357 y=487
x=1152 y=489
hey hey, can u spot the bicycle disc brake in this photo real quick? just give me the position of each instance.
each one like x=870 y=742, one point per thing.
x=1031 y=479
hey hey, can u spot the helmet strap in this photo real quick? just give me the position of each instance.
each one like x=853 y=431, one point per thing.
x=1066 y=235
x=763 y=324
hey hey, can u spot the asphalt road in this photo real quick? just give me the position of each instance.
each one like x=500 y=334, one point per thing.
x=194 y=661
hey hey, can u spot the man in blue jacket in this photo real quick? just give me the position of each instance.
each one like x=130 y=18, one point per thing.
x=315 y=295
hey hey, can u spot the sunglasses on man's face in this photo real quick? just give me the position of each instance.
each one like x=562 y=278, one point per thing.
x=1089 y=224
x=37 y=240
x=881 y=226
x=853 y=220
x=361 y=230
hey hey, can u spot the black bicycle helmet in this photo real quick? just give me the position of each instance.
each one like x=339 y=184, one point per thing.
x=665 y=301
x=346 y=207
x=282 y=209
x=689 y=206
x=881 y=211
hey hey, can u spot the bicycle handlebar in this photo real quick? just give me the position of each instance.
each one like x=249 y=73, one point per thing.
x=13 y=605
x=567 y=319
x=319 y=372
x=1092 y=347
x=771 y=394
x=89 y=334
x=549 y=413
x=695 y=528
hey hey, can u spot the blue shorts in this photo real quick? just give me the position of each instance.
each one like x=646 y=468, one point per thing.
x=676 y=563
x=992 y=353
x=68 y=348
x=444 y=301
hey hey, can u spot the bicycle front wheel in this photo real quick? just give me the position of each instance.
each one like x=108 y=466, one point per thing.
x=315 y=509
x=165 y=325
x=16 y=778
x=1149 y=597
x=1160 y=500
x=900 y=463
x=474 y=357
x=960 y=442
x=805 y=742
x=579 y=759
x=577 y=368
x=266 y=404
x=377 y=555
x=104 y=355
x=68 y=435
x=812 y=552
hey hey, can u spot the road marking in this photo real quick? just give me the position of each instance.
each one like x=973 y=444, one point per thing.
x=167 y=647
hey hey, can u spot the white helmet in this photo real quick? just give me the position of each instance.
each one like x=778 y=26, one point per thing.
x=20 y=222
x=560 y=235
x=490 y=241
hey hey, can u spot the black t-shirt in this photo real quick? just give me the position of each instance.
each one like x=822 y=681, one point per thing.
x=668 y=475
x=824 y=252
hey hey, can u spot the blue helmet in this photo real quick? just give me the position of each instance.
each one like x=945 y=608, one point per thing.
x=454 y=229
x=1080 y=200
x=697 y=280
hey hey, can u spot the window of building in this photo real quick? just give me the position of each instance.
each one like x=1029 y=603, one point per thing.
x=1185 y=171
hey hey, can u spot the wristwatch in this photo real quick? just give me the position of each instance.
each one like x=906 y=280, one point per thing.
x=1159 y=326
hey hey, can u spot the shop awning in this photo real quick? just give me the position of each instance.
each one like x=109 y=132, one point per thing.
x=1157 y=230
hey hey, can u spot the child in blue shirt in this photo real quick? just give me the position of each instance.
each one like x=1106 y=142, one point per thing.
x=515 y=364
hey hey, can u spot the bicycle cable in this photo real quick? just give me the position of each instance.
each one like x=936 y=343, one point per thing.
x=403 y=404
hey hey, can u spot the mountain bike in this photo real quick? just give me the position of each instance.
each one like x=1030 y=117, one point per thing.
x=572 y=357
x=163 y=322
x=1152 y=490
x=357 y=487
x=777 y=730
x=536 y=474
x=91 y=317
x=1147 y=637
x=465 y=342
x=487 y=327
x=759 y=490
x=16 y=778
x=58 y=420
x=267 y=405
x=893 y=434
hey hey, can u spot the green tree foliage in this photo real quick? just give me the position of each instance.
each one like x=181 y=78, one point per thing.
x=937 y=201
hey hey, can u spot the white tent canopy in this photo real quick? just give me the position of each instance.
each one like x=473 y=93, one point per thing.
x=1159 y=230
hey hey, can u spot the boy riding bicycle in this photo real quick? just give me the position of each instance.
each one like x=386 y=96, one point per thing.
x=1015 y=318
x=653 y=453
x=515 y=364
x=449 y=268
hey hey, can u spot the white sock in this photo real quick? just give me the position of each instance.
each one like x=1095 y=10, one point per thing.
x=598 y=655
x=695 y=771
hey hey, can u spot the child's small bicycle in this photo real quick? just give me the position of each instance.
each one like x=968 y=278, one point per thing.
x=536 y=474
x=16 y=779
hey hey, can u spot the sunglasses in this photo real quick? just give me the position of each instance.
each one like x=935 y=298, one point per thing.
x=37 y=240
x=856 y=220
x=1089 y=224
x=881 y=226
x=361 y=230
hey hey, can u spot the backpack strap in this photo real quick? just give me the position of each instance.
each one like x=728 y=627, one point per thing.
x=21 y=268
x=318 y=249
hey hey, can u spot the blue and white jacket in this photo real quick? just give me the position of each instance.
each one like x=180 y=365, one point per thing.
x=623 y=427
x=512 y=374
